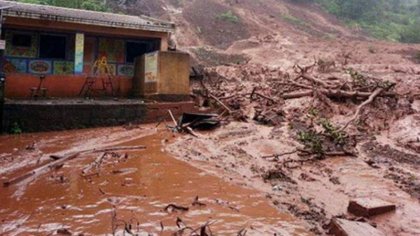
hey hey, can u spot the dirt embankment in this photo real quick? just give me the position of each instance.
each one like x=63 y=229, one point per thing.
x=320 y=124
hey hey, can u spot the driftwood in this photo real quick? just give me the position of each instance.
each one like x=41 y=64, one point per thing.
x=175 y=207
x=122 y=148
x=359 y=109
x=59 y=162
x=254 y=92
x=221 y=103
x=334 y=94
x=41 y=170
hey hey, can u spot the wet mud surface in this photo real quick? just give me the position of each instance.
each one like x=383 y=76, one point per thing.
x=129 y=189
x=313 y=191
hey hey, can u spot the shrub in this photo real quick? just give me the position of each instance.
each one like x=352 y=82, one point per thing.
x=228 y=16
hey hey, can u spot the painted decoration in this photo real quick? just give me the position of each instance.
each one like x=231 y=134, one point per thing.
x=21 y=65
x=40 y=67
x=126 y=70
x=112 y=69
x=151 y=67
x=78 y=55
x=112 y=49
x=63 y=67
x=13 y=51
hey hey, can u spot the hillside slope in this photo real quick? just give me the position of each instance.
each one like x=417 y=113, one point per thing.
x=271 y=32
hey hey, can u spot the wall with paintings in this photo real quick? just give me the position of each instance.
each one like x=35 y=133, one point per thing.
x=23 y=53
x=115 y=50
x=30 y=54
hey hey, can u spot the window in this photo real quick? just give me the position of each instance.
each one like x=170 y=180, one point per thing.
x=52 y=47
x=135 y=49
x=22 y=40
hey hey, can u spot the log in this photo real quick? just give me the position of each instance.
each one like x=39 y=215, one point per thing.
x=41 y=170
x=316 y=81
x=334 y=94
x=122 y=148
x=51 y=165
x=262 y=96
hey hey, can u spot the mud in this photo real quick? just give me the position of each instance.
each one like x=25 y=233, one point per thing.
x=313 y=191
x=130 y=188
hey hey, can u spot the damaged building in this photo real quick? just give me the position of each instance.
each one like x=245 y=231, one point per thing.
x=61 y=53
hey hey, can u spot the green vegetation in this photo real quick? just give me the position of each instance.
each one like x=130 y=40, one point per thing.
x=312 y=141
x=336 y=135
x=15 y=128
x=228 y=16
x=94 y=5
x=417 y=56
x=293 y=20
x=397 y=20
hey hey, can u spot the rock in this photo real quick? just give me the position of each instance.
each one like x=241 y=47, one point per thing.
x=369 y=207
x=342 y=227
x=63 y=231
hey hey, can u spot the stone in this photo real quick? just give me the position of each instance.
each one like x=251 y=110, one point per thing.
x=342 y=227
x=367 y=207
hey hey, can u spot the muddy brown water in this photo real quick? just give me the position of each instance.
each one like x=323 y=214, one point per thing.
x=135 y=189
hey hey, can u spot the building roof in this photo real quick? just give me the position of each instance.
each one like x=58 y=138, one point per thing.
x=61 y=14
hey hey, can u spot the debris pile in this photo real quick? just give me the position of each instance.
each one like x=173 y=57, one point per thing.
x=264 y=94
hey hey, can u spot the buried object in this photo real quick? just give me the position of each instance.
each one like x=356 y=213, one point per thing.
x=342 y=227
x=369 y=207
x=199 y=121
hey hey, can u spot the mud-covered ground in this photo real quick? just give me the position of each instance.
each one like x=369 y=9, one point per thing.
x=312 y=191
x=262 y=147
x=126 y=193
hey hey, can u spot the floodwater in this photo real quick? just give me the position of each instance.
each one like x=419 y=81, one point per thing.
x=129 y=188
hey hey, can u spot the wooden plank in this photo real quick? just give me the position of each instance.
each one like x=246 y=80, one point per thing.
x=342 y=227
x=370 y=207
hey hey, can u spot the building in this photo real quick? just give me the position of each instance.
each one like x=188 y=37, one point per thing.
x=58 y=47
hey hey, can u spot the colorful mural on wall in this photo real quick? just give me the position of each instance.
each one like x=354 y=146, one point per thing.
x=40 y=67
x=30 y=50
x=126 y=70
x=63 y=67
x=78 y=55
x=81 y=53
x=21 y=65
x=113 y=49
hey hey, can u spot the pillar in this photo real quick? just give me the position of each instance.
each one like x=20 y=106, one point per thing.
x=79 y=53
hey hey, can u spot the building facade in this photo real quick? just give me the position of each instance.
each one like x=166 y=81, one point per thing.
x=62 y=45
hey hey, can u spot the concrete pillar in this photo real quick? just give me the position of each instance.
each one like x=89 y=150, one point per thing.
x=79 y=53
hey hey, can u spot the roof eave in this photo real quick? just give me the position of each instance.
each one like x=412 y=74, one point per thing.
x=163 y=27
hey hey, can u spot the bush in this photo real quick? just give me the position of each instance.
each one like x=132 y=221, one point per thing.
x=228 y=16
x=411 y=34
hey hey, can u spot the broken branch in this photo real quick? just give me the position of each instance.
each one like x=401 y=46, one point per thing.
x=221 y=103
x=359 y=109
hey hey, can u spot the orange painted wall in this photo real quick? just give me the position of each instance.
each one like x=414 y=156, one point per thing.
x=19 y=85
